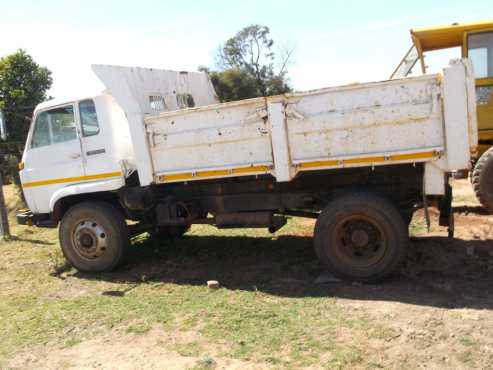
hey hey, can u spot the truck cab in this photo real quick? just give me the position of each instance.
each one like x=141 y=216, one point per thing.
x=84 y=145
x=72 y=149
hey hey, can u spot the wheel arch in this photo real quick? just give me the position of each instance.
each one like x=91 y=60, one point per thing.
x=397 y=200
x=63 y=204
x=69 y=195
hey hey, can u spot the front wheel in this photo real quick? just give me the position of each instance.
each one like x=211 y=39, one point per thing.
x=361 y=237
x=94 y=236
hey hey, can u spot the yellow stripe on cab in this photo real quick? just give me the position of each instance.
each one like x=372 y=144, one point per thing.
x=63 y=180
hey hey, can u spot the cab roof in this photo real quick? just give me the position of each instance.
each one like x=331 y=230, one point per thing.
x=62 y=101
x=443 y=37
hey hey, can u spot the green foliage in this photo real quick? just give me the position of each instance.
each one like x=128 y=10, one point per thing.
x=248 y=66
x=234 y=84
x=23 y=85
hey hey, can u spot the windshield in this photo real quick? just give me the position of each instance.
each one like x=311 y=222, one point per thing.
x=480 y=53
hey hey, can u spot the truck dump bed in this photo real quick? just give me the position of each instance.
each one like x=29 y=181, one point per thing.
x=423 y=119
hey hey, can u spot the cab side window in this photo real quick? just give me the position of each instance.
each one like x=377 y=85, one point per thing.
x=88 y=118
x=481 y=53
x=54 y=126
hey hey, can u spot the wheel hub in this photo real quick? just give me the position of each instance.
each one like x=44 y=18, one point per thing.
x=86 y=240
x=360 y=238
x=359 y=241
x=89 y=239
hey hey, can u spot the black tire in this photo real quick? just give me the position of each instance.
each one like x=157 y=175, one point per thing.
x=94 y=236
x=407 y=217
x=482 y=180
x=172 y=232
x=361 y=237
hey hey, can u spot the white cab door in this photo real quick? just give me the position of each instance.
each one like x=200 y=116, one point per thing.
x=53 y=158
x=96 y=141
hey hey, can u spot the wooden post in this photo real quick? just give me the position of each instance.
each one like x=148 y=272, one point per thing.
x=4 y=218
x=4 y=215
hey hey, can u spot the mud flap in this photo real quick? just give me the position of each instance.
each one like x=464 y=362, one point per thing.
x=446 y=213
x=451 y=225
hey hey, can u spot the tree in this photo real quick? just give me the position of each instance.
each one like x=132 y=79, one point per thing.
x=249 y=67
x=233 y=84
x=23 y=85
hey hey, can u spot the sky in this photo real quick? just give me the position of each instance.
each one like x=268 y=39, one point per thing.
x=336 y=42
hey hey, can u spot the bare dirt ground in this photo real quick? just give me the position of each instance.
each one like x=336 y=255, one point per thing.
x=156 y=312
x=123 y=352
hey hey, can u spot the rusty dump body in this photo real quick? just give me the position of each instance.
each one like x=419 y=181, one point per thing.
x=245 y=162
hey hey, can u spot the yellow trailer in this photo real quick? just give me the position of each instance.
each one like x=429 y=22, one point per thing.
x=475 y=41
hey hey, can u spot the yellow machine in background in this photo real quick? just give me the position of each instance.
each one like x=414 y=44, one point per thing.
x=476 y=43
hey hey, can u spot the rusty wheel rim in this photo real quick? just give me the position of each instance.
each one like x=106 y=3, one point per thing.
x=89 y=239
x=359 y=242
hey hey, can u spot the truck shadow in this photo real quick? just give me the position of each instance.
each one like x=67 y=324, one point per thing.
x=479 y=210
x=438 y=271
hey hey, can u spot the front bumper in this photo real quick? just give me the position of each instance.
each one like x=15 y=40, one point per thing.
x=26 y=217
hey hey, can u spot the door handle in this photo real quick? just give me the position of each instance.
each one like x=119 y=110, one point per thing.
x=74 y=156
x=97 y=151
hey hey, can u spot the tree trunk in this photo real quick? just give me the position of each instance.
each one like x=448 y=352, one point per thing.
x=4 y=219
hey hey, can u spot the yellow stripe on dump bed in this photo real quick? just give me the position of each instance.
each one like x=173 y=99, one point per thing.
x=63 y=180
x=213 y=173
x=306 y=166
x=368 y=160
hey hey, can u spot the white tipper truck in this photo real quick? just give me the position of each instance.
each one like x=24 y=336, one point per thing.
x=156 y=152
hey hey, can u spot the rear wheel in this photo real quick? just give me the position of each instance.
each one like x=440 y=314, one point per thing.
x=482 y=179
x=94 y=236
x=407 y=217
x=361 y=237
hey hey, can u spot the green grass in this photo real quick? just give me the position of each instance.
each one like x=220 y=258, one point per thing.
x=468 y=341
x=267 y=310
x=205 y=363
x=301 y=330
x=256 y=316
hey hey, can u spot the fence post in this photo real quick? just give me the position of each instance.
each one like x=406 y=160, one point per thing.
x=4 y=218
